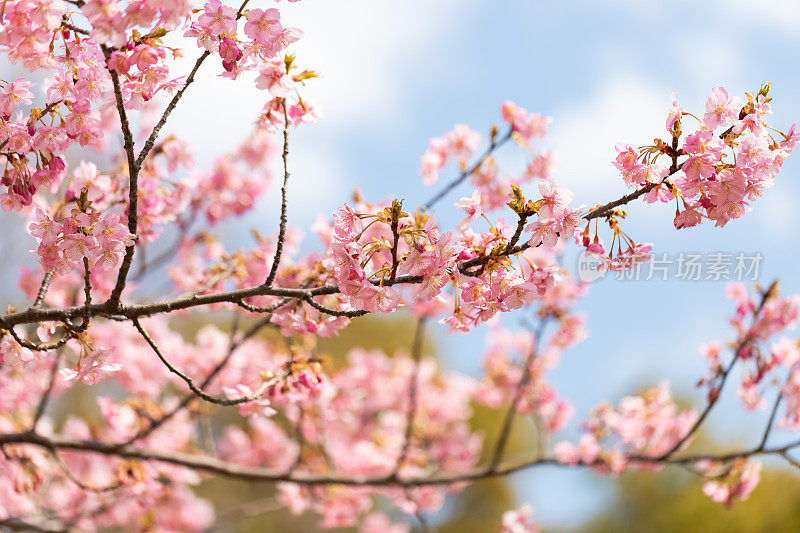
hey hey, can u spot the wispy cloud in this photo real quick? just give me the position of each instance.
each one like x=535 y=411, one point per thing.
x=624 y=108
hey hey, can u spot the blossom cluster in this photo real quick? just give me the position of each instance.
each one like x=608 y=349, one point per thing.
x=65 y=243
x=731 y=158
x=648 y=424
x=504 y=376
x=757 y=322
x=365 y=259
x=265 y=37
x=372 y=443
x=460 y=144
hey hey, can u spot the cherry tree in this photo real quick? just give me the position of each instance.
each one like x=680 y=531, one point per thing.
x=377 y=441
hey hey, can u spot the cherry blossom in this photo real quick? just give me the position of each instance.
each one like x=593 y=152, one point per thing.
x=126 y=227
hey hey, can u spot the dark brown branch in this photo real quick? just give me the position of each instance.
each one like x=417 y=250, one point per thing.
x=48 y=278
x=523 y=219
x=773 y=413
x=249 y=473
x=276 y=261
x=87 y=285
x=197 y=390
x=18 y=524
x=133 y=185
x=262 y=308
x=333 y=312
x=43 y=347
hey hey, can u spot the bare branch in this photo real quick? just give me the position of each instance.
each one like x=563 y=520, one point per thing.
x=18 y=524
x=333 y=312
x=43 y=347
x=766 y=295
x=508 y=420
x=199 y=391
x=773 y=413
x=494 y=145
x=276 y=261
x=40 y=409
x=250 y=473
x=413 y=385
x=48 y=277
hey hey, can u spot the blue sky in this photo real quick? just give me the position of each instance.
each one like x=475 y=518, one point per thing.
x=396 y=74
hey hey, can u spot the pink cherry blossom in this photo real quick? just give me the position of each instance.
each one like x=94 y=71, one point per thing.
x=218 y=18
x=721 y=110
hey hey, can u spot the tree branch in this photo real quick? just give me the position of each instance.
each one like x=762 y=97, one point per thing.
x=413 y=385
x=766 y=295
x=276 y=261
x=235 y=296
x=494 y=145
x=48 y=278
x=508 y=421
x=199 y=391
x=133 y=185
x=253 y=473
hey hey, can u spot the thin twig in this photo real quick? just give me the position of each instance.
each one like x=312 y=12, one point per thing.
x=273 y=271
x=773 y=413
x=43 y=347
x=197 y=390
x=511 y=412
x=748 y=338
x=40 y=409
x=494 y=145
x=413 y=386
x=48 y=277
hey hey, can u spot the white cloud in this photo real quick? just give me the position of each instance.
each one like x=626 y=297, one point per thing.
x=710 y=58
x=625 y=108
x=362 y=49
x=782 y=15
x=734 y=15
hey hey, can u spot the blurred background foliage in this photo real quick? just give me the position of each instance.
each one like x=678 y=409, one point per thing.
x=672 y=501
x=666 y=501
x=250 y=507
